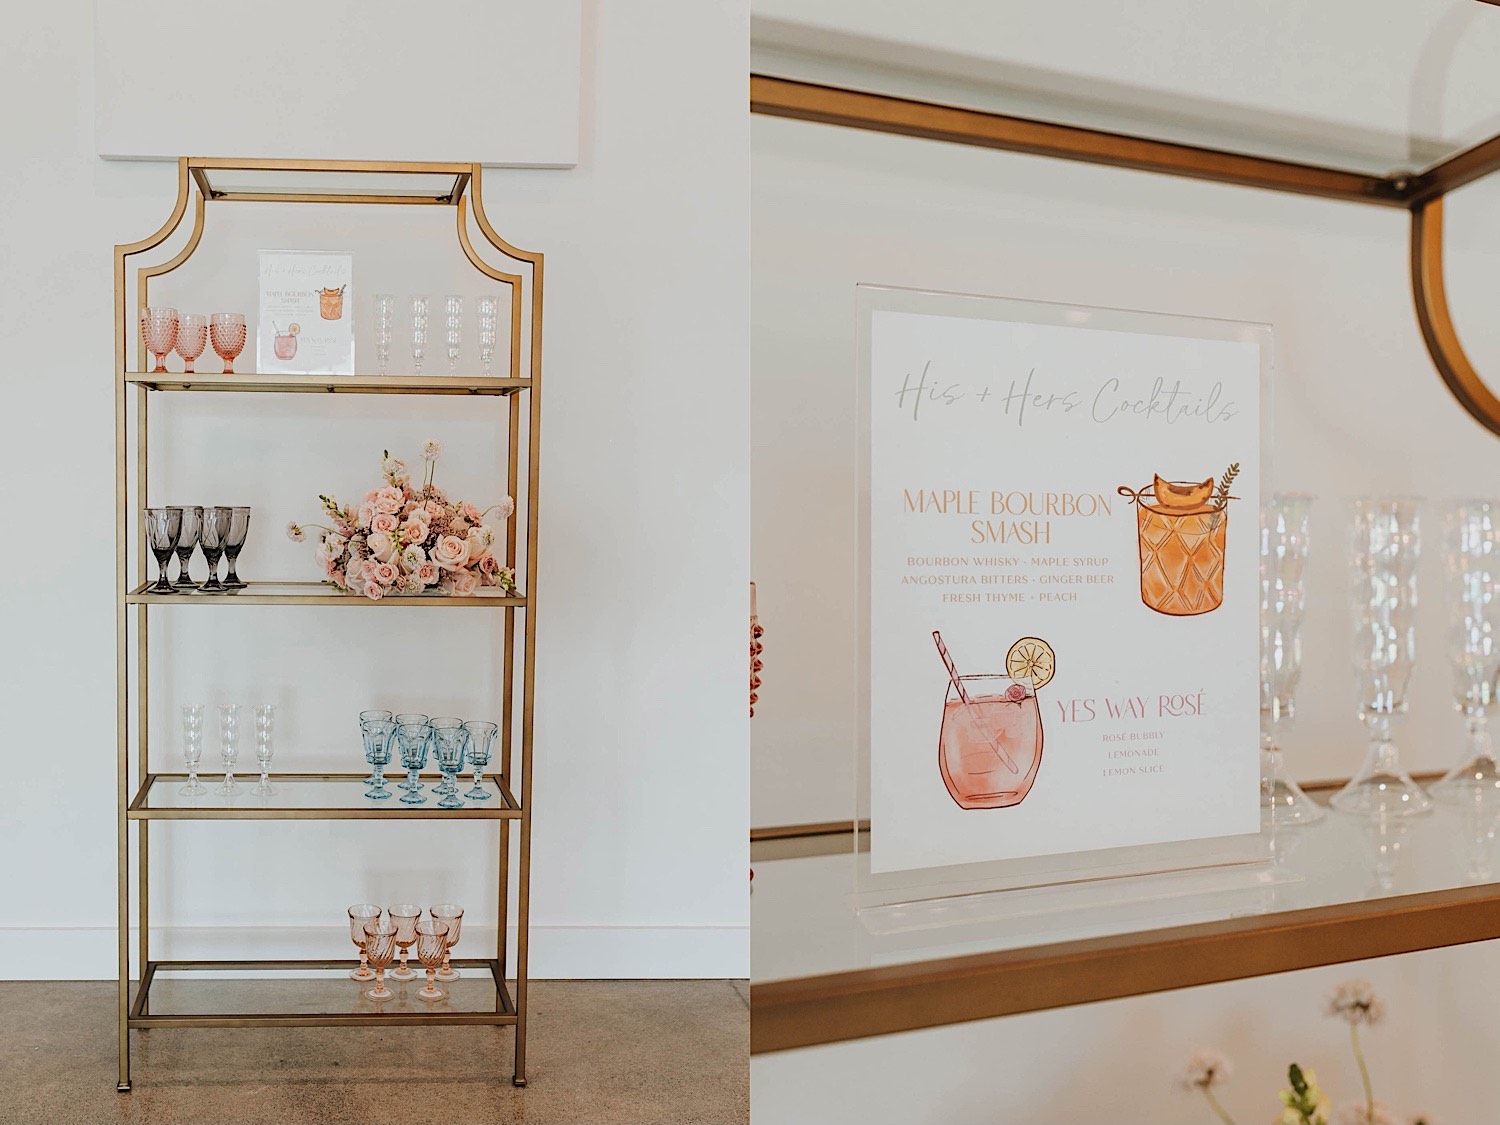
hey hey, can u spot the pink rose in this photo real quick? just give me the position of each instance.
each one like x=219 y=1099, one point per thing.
x=433 y=509
x=371 y=495
x=330 y=566
x=388 y=500
x=366 y=514
x=465 y=582
x=354 y=578
x=427 y=573
x=382 y=546
x=385 y=573
x=374 y=591
x=458 y=526
x=408 y=508
x=488 y=564
x=450 y=552
x=337 y=576
x=384 y=522
x=413 y=532
x=470 y=512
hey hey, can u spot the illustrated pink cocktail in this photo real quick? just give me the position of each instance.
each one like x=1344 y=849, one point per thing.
x=990 y=746
x=285 y=345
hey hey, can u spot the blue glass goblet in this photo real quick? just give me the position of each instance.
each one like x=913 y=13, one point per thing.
x=448 y=740
x=378 y=735
x=481 y=742
x=412 y=734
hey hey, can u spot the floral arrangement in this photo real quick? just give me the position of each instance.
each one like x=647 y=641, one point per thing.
x=402 y=539
x=1303 y=1101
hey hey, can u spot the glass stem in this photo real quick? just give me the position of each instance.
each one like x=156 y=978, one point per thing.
x=446 y=967
x=1479 y=735
x=411 y=780
x=364 y=959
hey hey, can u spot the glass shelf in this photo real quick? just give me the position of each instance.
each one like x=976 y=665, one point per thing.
x=329 y=181
x=250 y=381
x=309 y=796
x=1340 y=890
x=317 y=593
x=168 y=996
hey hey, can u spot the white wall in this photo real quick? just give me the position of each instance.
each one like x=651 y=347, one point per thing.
x=641 y=740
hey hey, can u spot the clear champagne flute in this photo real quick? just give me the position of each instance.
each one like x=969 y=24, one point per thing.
x=419 y=306
x=1283 y=583
x=1471 y=587
x=187 y=542
x=265 y=718
x=1386 y=546
x=385 y=328
x=488 y=309
x=192 y=748
x=453 y=322
x=229 y=745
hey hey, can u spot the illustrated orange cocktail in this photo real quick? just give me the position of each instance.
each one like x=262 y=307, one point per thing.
x=1181 y=528
x=331 y=303
x=990 y=742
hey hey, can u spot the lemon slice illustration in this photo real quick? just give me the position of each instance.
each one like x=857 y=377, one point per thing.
x=1031 y=659
x=1169 y=495
x=296 y=330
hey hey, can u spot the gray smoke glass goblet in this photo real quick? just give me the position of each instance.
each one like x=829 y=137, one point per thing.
x=239 y=527
x=163 y=529
x=211 y=538
x=192 y=523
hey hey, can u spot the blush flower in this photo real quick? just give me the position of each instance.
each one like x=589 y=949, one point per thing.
x=414 y=531
x=374 y=591
x=1205 y=1070
x=385 y=573
x=450 y=552
x=465 y=582
x=432 y=451
x=488 y=565
x=427 y=573
x=384 y=521
x=1354 y=1001
x=365 y=514
x=295 y=533
x=470 y=512
x=507 y=508
x=382 y=546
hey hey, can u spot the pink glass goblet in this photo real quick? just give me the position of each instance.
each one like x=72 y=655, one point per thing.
x=404 y=918
x=361 y=915
x=226 y=331
x=432 y=941
x=380 y=950
x=159 y=332
x=192 y=335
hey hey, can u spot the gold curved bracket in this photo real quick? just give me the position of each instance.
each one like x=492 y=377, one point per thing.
x=125 y=250
x=1436 y=321
x=511 y=279
x=144 y=275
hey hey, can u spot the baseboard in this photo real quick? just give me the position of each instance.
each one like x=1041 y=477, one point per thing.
x=556 y=952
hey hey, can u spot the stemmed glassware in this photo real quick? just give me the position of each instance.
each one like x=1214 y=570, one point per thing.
x=192 y=523
x=385 y=326
x=404 y=918
x=192 y=335
x=481 y=740
x=453 y=321
x=1386 y=547
x=359 y=915
x=448 y=738
x=229 y=744
x=1283 y=583
x=412 y=733
x=1471 y=573
x=265 y=718
x=453 y=917
x=192 y=748
x=211 y=537
x=432 y=940
x=239 y=527
x=226 y=331
x=488 y=309
x=380 y=950
x=377 y=728
x=159 y=326
x=163 y=530
x=419 y=306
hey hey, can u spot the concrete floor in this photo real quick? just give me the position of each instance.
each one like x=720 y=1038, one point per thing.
x=598 y=1051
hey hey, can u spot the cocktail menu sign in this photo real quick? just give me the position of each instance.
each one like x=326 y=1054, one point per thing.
x=1061 y=540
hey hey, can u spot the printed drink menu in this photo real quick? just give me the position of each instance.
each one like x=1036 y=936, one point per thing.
x=1063 y=592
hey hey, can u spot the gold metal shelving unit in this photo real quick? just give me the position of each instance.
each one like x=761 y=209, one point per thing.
x=148 y=796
